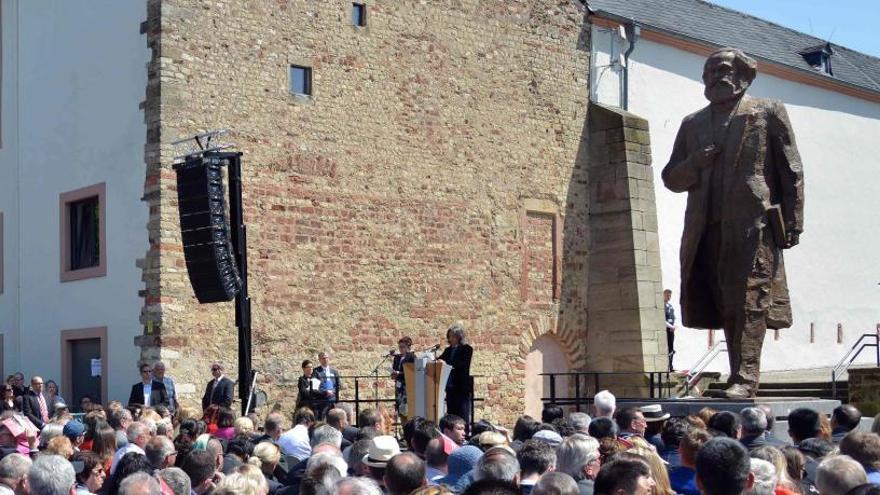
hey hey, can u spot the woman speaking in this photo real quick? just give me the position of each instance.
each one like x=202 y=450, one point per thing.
x=460 y=386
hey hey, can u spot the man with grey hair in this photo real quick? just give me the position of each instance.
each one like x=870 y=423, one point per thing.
x=578 y=457
x=765 y=477
x=160 y=452
x=604 y=403
x=177 y=480
x=498 y=464
x=139 y=484
x=580 y=421
x=159 y=376
x=51 y=475
x=839 y=474
x=754 y=424
x=138 y=435
x=322 y=459
x=357 y=486
x=554 y=483
x=273 y=427
x=326 y=434
x=13 y=474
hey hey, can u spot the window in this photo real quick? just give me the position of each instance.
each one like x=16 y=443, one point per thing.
x=83 y=228
x=819 y=58
x=1 y=252
x=301 y=80
x=358 y=14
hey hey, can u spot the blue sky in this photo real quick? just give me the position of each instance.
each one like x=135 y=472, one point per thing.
x=854 y=23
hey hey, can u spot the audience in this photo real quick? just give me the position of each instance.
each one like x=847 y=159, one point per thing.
x=148 y=450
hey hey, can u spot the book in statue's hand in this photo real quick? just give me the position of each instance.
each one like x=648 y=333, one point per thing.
x=777 y=225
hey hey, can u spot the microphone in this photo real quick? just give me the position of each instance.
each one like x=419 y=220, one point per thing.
x=435 y=347
x=390 y=353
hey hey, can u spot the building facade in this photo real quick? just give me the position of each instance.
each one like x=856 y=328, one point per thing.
x=71 y=155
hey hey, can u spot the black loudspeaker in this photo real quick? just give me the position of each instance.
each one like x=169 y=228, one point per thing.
x=210 y=260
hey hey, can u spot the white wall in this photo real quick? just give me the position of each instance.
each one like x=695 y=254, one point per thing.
x=81 y=74
x=9 y=321
x=834 y=273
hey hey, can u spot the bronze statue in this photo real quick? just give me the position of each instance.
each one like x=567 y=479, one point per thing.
x=739 y=164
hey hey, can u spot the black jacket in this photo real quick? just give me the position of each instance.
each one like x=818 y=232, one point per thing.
x=30 y=407
x=308 y=395
x=221 y=395
x=398 y=362
x=460 y=378
x=158 y=395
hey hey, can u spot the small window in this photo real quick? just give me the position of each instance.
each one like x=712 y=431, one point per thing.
x=301 y=80
x=358 y=14
x=819 y=58
x=83 y=241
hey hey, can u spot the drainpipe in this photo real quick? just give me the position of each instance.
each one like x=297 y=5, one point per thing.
x=632 y=33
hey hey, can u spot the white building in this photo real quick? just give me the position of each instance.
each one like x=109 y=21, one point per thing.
x=72 y=143
x=833 y=274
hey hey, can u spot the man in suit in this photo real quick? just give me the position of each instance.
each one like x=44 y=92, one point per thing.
x=149 y=392
x=738 y=162
x=219 y=390
x=330 y=384
x=34 y=404
x=460 y=386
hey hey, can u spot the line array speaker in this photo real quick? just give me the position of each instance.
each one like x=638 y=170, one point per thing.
x=210 y=260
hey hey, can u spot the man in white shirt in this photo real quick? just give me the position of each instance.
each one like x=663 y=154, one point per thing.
x=148 y=392
x=138 y=435
x=294 y=442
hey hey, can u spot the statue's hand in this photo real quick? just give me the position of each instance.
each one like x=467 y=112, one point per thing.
x=706 y=156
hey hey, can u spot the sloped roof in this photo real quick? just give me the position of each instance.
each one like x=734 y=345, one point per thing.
x=709 y=23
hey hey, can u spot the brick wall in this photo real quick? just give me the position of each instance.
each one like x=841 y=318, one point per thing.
x=438 y=173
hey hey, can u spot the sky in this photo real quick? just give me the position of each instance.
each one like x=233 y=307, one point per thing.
x=850 y=23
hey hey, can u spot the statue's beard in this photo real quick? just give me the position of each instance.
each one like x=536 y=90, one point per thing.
x=723 y=91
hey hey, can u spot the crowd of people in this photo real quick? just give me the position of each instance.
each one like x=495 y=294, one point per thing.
x=155 y=445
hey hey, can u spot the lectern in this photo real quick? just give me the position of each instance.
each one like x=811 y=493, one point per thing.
x=426 y=388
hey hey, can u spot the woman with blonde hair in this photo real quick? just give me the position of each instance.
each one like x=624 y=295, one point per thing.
x=777 y=458
x=266 y=456
x=247 y=479
x=60 y=446
x=243 y=427
x=662 y=484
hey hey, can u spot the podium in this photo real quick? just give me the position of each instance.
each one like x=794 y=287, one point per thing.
x=426 y=388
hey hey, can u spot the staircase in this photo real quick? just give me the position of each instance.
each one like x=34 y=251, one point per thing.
x=814 y=389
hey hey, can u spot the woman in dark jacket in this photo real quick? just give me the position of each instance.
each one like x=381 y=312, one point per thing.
x=406 y=355
x=8 y=402
x=309 y=389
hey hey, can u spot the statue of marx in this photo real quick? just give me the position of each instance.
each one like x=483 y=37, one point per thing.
x=738 y=162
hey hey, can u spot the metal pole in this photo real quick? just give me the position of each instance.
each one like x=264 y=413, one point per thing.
x=552 y=388
x=238 y=236
x=357 y=399
x=577 y=393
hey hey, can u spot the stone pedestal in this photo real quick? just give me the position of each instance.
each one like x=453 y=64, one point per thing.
x=864 y=390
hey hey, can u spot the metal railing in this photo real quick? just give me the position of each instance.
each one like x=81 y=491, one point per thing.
x=705 y=360
x=377 y=393
x=848 y=358
x=588 y=383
